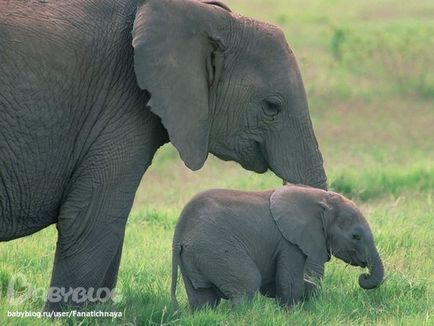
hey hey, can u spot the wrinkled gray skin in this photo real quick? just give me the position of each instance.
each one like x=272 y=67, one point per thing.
x=231 y=244
x=89 y=89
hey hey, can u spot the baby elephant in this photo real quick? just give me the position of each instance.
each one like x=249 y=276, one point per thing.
x=231 y=244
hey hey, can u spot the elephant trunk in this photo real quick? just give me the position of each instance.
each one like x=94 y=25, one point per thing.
x=300 y=160
x=293 y=153
x=320 y=185
x=376 y=272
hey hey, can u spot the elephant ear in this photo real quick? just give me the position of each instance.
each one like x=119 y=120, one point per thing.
x=299 y=213
x=175 y=45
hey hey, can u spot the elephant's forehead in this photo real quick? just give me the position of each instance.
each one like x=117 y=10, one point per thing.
x=270 y=63
x=349 y=214
x=273 y=40
x=266 y=36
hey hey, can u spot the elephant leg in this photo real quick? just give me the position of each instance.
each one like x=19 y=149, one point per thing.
x=237 y=277
x=111 y=275
x=289 y=276
x=91 y=229
x=200 y=298
x=313 y=274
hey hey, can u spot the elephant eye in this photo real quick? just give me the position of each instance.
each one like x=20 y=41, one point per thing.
x=356 y=236
x=271 y=108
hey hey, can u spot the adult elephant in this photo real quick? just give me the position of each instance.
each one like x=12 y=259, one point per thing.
x=76 y=134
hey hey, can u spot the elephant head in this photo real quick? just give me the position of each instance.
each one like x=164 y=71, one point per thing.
x=322 y=223
x=226 y=85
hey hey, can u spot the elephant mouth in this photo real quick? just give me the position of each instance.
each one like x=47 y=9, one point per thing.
x=355 y=261
x=359 y=263
x=253 y=159
x=250 y=156
x=363 y=264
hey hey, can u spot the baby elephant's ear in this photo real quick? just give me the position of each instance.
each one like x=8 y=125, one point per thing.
x=298 y=212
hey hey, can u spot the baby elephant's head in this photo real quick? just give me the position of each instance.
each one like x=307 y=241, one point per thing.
x=322 y=223
x=349 y=238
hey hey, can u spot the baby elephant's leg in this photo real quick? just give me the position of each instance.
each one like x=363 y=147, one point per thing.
x=289 y=276
x=313 y=273
x=236 y=276
x=199 y=298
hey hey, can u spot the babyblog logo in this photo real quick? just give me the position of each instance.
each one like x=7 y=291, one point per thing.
x=20 y=291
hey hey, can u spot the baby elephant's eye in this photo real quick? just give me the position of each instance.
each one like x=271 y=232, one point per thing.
x=356 y=236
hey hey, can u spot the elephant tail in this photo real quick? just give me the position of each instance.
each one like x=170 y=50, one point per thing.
x=176 y=257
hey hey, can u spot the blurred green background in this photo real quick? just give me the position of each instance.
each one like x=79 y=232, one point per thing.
x=368 y=68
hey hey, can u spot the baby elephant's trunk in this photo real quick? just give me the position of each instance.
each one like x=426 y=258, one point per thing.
x=176 y=255
x=376 y=272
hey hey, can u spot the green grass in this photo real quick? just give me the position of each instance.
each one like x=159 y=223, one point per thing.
x=379 y=182
x=368 y=69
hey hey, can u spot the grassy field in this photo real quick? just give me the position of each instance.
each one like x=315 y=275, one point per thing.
x=368 y=68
